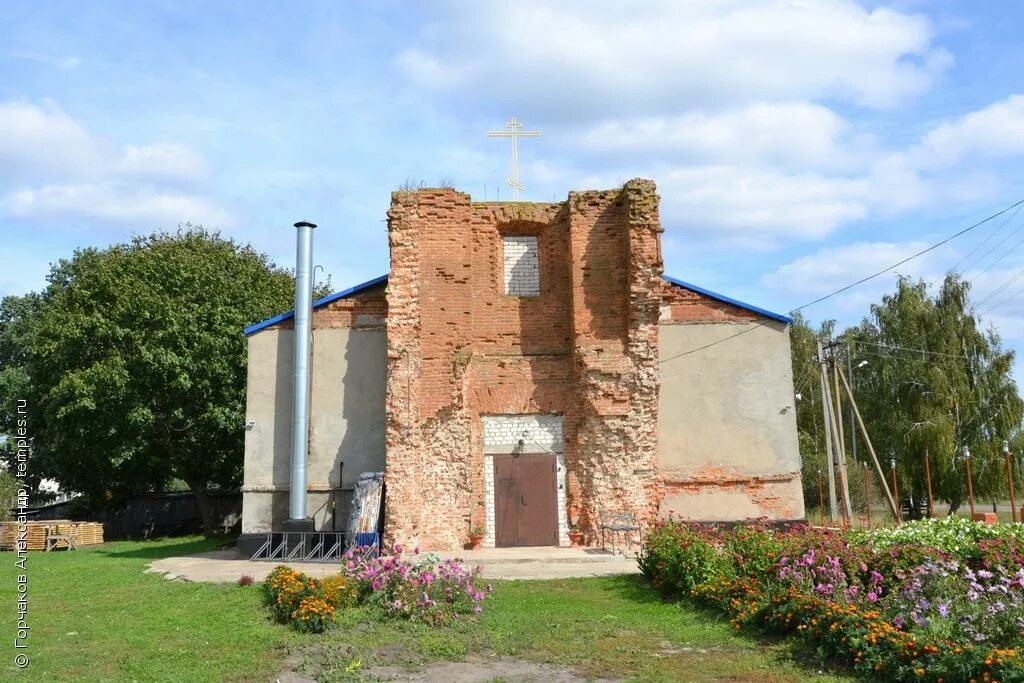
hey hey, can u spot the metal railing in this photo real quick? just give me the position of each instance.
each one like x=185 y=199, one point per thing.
x=302 y=546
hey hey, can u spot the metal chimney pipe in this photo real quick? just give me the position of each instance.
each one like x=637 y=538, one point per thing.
x=300 y=380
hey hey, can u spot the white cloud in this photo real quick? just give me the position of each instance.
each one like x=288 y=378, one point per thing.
x=43 y=141
x=583 y=60
x=792 y=133
x=830 y=268
x=759 y=207
x=167 y=161
x=141 y=207
x=51 y=166
x=992 y=133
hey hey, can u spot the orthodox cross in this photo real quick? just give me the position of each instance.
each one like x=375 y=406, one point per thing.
x=514 y=125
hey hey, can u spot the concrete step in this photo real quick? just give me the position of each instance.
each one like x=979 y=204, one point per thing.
x=539 y=555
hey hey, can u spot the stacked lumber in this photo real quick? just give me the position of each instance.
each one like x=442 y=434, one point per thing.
x=85 y=533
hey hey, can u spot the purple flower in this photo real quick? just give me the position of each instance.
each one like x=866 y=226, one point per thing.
x=944 y=609
x=897 y=621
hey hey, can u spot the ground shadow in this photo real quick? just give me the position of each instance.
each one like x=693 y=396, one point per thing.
x=151 y=550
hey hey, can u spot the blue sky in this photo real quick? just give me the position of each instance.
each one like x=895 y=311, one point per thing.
x=797 y=145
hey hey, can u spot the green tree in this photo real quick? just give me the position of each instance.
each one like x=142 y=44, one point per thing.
x=138 y=363
x=938 y=382
x=933 y=381
x=9 y=487
x=16 y=316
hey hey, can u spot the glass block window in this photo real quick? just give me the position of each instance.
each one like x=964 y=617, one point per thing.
x=522 y=265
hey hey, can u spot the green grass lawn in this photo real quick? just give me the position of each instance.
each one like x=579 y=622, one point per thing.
x=95 y=615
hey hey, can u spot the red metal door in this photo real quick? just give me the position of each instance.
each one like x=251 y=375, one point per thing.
x=526 y=500
x=506 y=518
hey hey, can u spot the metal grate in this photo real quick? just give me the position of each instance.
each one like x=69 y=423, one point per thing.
x=302 y=546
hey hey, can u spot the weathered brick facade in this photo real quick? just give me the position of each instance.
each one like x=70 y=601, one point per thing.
x=585 y=348
x=543 y=318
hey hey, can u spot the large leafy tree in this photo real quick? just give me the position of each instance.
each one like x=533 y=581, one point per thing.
x=16 y=315
x=138 y=364
x=939 y=382
x=934 y=381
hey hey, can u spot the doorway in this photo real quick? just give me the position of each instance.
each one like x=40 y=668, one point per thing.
x=525 y=500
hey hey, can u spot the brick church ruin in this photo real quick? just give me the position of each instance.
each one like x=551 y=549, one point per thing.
x=526 y=368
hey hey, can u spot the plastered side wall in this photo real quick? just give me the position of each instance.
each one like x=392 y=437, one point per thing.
x=347 y=422
x=727 y=446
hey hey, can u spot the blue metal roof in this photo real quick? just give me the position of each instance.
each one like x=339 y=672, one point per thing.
x=729 y=300
x=317 y=304
x=384 y=278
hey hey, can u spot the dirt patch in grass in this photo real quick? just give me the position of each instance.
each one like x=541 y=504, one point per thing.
x=403 y=662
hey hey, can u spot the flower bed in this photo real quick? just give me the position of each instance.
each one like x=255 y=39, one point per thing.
x=936 y=600
x=420 y=587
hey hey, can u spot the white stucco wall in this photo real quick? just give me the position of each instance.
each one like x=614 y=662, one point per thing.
x=727 y=438
x=346 y=421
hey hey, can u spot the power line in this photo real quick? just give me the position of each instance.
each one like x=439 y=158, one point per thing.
x=996 y=246
x=1016 y=205
x=982 y=243
x=912 y=257
x=895 y=347
x=1001 y=288
x=1004 y=301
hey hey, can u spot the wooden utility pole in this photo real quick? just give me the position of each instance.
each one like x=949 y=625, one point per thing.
x=928 y=478
x=867 y=496
x=970 y=485
x=867 y=441
x=826 y=408
x=1009 y=479
x=895 y=489
x=837 y=422
x=821 y=500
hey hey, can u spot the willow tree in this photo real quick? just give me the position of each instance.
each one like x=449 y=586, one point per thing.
x=937 y=382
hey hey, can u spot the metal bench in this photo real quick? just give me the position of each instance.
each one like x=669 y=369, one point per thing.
x=619 y=523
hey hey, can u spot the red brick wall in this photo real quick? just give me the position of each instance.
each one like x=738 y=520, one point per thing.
x=459 y=348
x=365 y=309
x=681 y=306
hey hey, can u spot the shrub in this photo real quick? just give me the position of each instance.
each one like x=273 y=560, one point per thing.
x=924 y=610
x=246 y=580
x=308 y=604
x=1006 y=553
x=677 y=558
x=752 y=550
x=418 y=588
x=956 y=536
